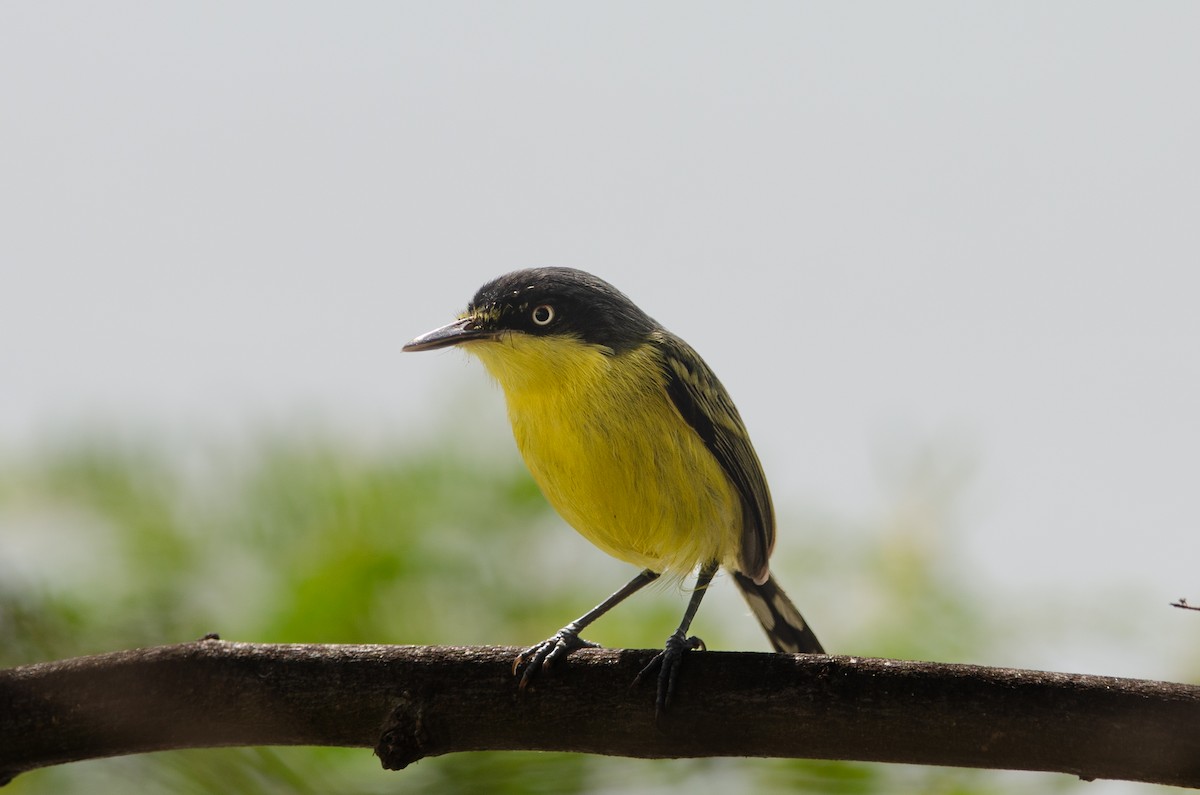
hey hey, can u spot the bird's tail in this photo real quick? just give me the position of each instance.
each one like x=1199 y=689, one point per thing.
x=786 y=628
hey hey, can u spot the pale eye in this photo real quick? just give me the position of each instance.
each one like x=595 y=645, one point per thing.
x=543 y=314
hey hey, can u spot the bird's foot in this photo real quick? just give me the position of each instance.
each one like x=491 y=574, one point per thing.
x=544 y=655
x=667 y=663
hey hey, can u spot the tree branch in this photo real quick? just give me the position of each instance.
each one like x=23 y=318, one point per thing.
x=410 y=702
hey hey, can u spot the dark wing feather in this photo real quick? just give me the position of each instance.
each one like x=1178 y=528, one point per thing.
x=707 y=407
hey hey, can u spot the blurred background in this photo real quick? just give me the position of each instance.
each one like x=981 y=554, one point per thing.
x=944 y=257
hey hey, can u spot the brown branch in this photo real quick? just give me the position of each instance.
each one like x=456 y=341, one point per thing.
x=410 y=702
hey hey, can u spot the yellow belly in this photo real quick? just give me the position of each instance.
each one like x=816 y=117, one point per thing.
x=613 y=456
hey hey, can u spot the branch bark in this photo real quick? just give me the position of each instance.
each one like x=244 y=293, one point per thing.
x=410 y=702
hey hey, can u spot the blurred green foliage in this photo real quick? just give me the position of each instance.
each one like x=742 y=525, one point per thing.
x=111 y=544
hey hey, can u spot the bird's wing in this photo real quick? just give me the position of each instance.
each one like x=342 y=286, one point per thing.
x=707 y=407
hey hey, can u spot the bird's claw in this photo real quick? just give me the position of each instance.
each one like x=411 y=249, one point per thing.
x=543 y=656
x=667 y=663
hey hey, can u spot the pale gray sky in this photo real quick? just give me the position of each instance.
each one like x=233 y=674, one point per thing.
x=971 y=225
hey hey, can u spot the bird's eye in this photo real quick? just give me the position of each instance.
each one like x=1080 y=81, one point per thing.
x=543 y=314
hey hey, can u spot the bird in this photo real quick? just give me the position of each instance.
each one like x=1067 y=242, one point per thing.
x=635 y=443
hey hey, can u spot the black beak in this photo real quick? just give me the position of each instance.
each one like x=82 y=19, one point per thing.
x=464 y=330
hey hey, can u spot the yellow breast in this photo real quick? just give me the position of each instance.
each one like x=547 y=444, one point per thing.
x=612 y=454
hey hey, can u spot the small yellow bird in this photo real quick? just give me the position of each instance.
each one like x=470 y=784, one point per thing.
x=634 y=442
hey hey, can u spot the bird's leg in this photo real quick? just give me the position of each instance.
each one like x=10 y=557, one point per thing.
x=668 y=661
x=535 y=659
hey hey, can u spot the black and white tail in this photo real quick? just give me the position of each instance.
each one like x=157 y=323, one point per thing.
x=786 y=628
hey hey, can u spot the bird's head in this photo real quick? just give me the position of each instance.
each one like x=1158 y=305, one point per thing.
x=560 y=306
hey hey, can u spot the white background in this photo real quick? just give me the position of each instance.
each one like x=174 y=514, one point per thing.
x=971 y=229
